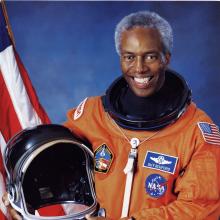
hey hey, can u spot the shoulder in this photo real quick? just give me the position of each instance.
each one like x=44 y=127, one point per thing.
x=205 y=128
x=192 y=124
x=193 y=115
x=79 y=118
x=86 y=108
x=87 y=118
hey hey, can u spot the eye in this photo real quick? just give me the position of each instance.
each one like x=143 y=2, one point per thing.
x=150 y=57
x=128 y=57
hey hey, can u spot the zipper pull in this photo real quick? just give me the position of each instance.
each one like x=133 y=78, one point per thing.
x=134 y=142
x=132 y=155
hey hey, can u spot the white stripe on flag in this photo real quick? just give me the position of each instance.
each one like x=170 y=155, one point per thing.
x=2 y=144
x=23 y=107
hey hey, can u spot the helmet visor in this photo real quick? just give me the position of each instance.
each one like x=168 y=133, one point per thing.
x=58 y=181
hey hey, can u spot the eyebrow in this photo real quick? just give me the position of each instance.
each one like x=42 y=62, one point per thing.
x=127 y=52
x=148 y=52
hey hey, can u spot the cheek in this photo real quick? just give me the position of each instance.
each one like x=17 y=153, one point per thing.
x=124 y=67
x=158 y=69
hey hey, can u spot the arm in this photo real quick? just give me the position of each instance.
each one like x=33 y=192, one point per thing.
x=198 y=188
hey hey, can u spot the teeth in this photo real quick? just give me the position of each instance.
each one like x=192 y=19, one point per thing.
x=142 y=80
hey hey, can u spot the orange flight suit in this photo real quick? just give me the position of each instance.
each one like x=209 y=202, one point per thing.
x=178 y=169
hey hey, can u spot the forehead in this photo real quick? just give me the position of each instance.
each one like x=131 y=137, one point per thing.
x=141 y=39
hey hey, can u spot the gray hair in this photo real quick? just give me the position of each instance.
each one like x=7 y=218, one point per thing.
x=145 y=19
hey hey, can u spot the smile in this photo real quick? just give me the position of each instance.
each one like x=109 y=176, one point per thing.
x=145 y=80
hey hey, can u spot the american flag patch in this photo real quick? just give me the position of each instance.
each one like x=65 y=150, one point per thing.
x=210 y=132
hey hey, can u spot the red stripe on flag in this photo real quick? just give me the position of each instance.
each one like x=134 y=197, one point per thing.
x=9 y=123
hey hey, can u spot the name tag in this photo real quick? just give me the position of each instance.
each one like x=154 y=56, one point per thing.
x=162 y=162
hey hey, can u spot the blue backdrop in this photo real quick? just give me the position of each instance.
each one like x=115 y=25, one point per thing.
x=68 y=48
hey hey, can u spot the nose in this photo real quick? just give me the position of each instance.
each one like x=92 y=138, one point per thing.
x=140 y=65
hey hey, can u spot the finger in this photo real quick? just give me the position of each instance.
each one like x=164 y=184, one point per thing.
x=88 y=217
x=5 y=199
x=14 y=214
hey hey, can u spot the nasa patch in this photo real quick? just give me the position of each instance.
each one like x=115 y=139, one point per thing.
x=103 y=158
x=156 y=185
x=79 y=110
x=162 y=162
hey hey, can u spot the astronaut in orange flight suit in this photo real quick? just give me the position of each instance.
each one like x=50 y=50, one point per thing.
x=156 y=155
x=177 y=146
x=190 y=189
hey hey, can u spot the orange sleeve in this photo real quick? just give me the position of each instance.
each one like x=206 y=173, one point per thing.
x=198 y=189
x=69 y=123
x=78 y=127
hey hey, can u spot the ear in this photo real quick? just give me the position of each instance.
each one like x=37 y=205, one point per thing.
x=167 y=58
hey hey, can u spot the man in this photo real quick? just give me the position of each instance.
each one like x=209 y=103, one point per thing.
x=156 y=153
x=176 y=145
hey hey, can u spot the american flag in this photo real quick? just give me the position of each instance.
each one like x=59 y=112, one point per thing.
x=19 y=104
x=210 y=132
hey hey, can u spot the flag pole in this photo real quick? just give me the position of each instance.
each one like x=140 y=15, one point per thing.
x=7 y=22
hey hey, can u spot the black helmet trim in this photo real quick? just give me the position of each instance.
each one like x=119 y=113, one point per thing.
x=49 y=144
x=140 y=124
x=39 y=135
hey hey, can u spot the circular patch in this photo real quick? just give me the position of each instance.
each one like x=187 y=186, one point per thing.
x=156 y=185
